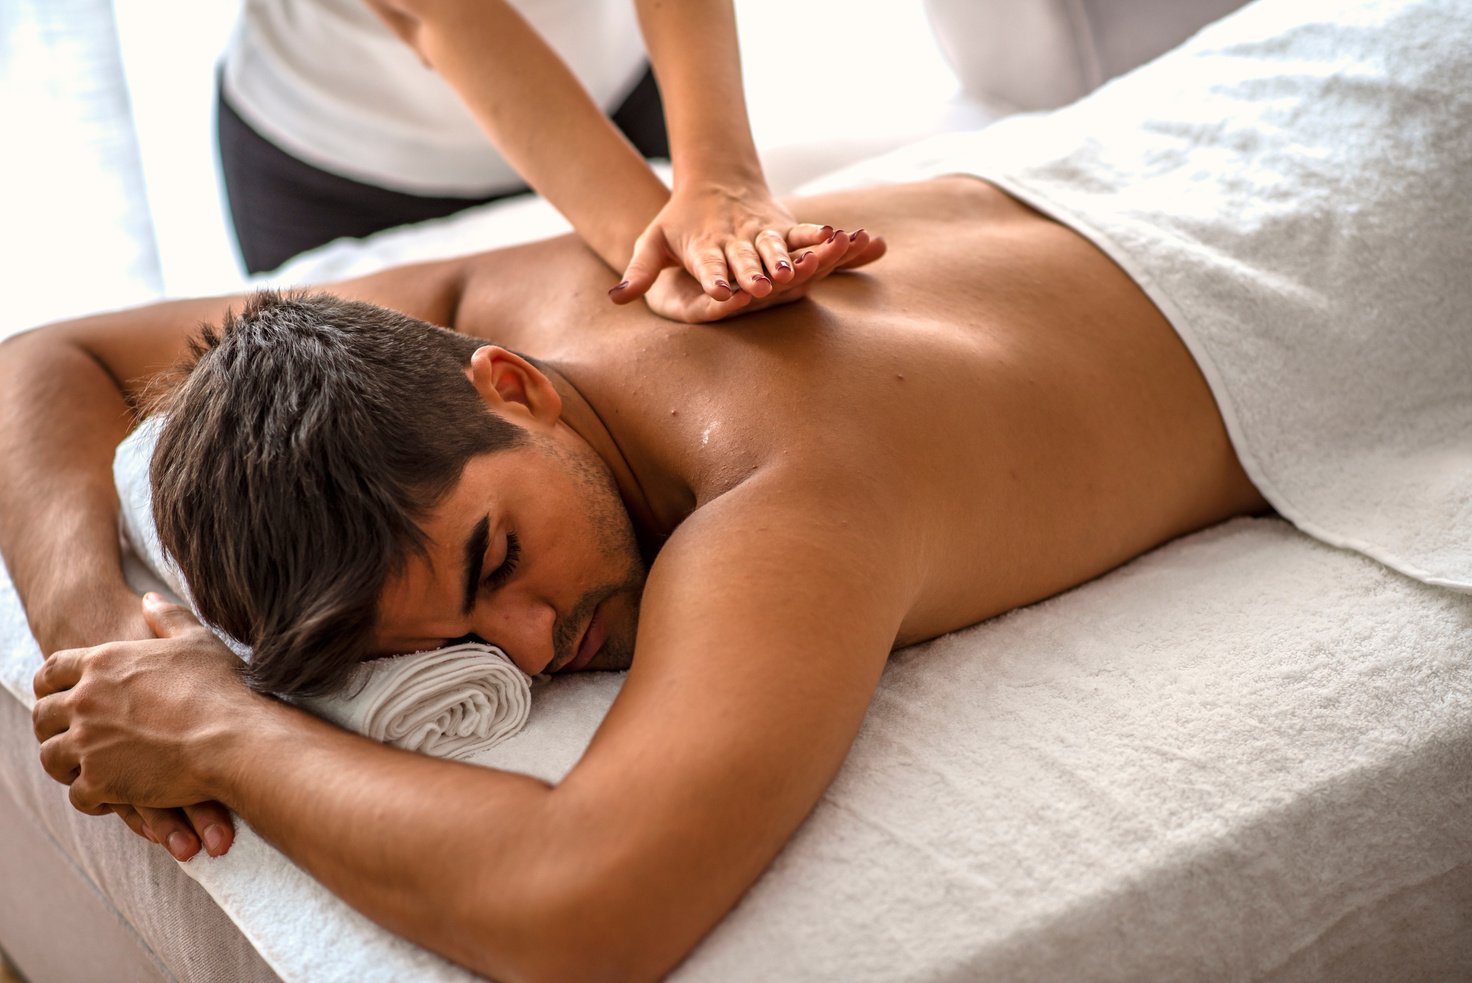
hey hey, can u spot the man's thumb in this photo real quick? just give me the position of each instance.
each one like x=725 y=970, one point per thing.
x=167 y=619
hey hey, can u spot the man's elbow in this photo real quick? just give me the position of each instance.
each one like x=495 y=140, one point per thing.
x=579 y=928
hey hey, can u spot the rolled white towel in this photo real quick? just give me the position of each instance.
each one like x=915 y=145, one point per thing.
x=452 y=702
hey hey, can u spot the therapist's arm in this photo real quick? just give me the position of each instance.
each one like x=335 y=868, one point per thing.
x=544 y=123
x=722 y=222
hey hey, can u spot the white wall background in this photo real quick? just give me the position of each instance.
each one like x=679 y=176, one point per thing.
x=99 y=212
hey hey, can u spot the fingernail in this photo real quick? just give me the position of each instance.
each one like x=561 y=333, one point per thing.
x=615 y=289
x=723 y=283
x=834 y=236
x=782 y=264
x=828 y=231
x=759 y=278
x=803 y=257
x=178 y=844
x=855 y=235
x=214 y=839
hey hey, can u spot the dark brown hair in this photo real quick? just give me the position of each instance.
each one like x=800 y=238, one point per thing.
x=303 y=441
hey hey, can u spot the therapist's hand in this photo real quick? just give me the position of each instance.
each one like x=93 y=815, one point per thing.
x=124 y=725
x=677 y=296
x=730 y=237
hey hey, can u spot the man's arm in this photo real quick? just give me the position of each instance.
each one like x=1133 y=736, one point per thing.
x=766 y=622
x=68 y=394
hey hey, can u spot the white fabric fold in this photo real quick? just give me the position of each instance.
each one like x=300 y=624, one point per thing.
x=453 y=702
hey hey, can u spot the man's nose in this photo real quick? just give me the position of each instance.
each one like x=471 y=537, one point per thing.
x=521 y=625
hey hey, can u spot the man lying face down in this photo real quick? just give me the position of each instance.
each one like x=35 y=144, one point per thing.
x=896 y=457
x=313 y=484
x=992 y=414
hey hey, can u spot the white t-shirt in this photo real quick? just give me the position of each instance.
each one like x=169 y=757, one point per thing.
x=329 y=83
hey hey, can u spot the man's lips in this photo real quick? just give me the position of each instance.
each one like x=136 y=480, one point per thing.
x=593 y=637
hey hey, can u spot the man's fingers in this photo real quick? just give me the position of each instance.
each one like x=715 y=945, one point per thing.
x=133 y=821
x=49 y=717
x=167 y=620
x=60 y=671
x=213 y=825
x=59 y=760
x=172 y=829
x=84 y=799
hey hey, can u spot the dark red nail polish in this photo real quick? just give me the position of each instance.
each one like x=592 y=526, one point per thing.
x=723 y=283
x=855 y=235
x=759 y=278
x=615 y=289
x=828 y=231
x=782 y=264
x=803 y=257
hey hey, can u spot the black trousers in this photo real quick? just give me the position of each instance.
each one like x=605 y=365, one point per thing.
x=281 y=206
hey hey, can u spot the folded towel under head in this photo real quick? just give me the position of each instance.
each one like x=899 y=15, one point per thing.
x=452 y=702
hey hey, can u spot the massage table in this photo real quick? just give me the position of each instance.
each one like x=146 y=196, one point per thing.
x=1246 y=755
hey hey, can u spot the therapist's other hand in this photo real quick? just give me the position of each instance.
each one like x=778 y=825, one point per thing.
x=126 y=725
x=731 y=238
x=678 y=296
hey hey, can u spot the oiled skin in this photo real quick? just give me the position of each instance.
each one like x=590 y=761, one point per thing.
x=997 y=385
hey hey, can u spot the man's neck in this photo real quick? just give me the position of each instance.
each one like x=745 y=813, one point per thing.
x=654 y=502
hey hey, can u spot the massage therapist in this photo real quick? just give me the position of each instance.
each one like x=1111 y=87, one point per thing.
x=343 y=117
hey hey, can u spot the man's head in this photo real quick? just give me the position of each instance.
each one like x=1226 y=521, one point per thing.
x=316 y=453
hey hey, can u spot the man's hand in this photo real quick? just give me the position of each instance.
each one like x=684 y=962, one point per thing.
x=678 y=296
x=127 y=725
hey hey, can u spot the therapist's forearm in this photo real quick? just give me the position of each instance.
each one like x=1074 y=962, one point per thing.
x=538 y=116
x=693 y=48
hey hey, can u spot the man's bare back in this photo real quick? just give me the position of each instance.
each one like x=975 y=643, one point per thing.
x=994 y=415
x=997 y=390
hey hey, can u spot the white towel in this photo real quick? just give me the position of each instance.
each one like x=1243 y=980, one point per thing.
x=453 y=702
x=1293 y=189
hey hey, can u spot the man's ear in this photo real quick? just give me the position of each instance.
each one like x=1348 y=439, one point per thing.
x=512 y=386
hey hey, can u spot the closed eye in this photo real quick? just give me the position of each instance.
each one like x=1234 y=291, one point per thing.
x=502 y=573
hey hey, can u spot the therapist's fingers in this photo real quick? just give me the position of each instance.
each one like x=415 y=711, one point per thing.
x=863 y=249
x=808 y=234
x=772 y=246
x=651 y=254
x=706 y=262
x=745 y=264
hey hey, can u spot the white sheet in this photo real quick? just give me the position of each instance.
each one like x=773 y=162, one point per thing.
x=1209 y=763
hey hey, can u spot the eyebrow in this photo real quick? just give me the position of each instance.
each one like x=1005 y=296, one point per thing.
x=475 y=556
